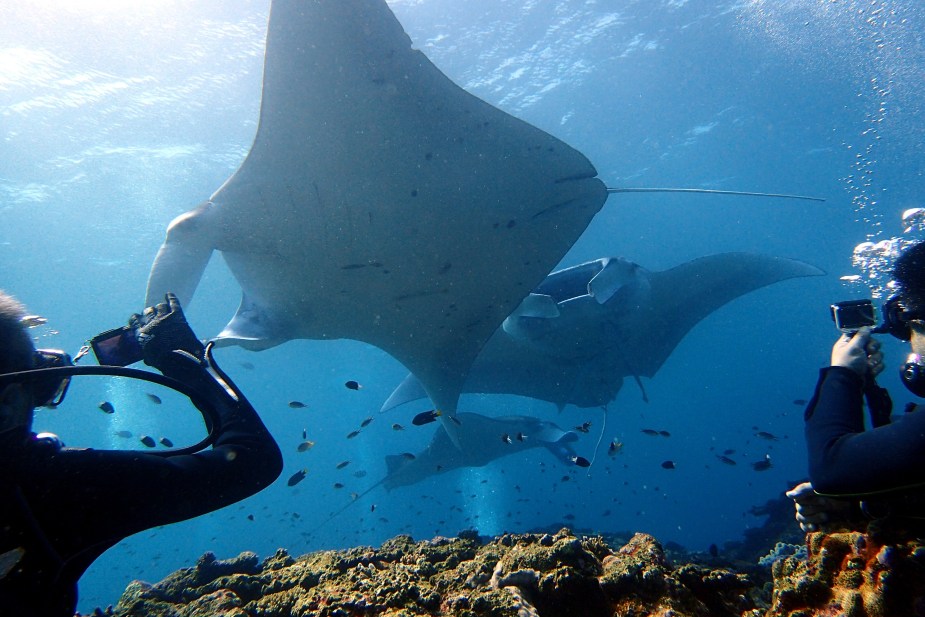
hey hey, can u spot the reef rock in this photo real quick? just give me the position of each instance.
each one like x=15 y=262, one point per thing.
x=852 y=574
x=523 y=575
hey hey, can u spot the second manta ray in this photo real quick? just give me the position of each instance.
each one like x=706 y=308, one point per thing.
x=378 y=200
x=584 y=329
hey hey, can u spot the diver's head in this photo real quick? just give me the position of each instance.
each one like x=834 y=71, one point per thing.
x=19 y=396
x=17 y=353
x=908 y=303
x=905 y=312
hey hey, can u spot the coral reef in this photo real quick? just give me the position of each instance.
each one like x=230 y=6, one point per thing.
x=847 y=573
x=853 y=574
x=522 y=575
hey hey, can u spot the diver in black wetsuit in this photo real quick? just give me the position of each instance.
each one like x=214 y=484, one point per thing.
x=883 y=466
x=61 y=508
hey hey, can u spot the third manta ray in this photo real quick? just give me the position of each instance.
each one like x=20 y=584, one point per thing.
x=585 y=328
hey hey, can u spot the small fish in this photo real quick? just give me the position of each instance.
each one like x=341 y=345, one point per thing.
x=154 y=398
x=306 y=445
x=799 y=401
x=338 y=485
x=664 y=433
x=297 y=404
x=123 y=434
x=397 y=427
x=714 y=551
x=615 y=447
x=342 y=464
x=359 y=474
x=569 y=517
x=408 y=456
x=650 y=431
x=580 y=461
x=107 y=407
x=248 y=365
x=455 y=420
x=353 y=434
x=304 y=433
x=426 y=417
x=372 y=508
x=250 y=517
x=729 y=451
x=521 y=437
x=506 y=438
x=584 y=428
x=352 y=385
x=725 y=459
x=166 y=442
x=148 y=441
x=762 y=465
x=766 y=435
x=565 y=478
x=297 y=477
x=32 y=321
x=668 y=465
x=365 y=422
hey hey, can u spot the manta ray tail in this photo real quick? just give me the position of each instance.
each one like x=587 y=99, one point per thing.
x=600 y=437
x=341 y=510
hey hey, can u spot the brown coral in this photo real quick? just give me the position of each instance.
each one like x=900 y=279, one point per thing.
x=525 y=575
x=852 y=574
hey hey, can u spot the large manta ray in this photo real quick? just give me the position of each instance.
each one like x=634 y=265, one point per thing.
x=380 y=201
x=584 y=329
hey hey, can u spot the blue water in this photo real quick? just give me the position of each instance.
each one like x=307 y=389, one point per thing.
x=117 y=116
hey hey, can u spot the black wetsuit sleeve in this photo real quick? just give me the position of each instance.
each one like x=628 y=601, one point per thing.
x=132 y=490
x=846 y=460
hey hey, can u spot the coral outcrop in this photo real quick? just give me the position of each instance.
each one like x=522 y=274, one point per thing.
x=852 y=574
x=846 y=573
x=522 y=575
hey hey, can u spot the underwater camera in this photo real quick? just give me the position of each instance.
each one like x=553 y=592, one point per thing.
x=852 y=315
x=117 y=347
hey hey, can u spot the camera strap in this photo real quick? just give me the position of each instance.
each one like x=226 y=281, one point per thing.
x=879 y=403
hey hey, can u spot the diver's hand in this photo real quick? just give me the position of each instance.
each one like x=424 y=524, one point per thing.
x=814 y=510
x=162 y=330
x=859 y=352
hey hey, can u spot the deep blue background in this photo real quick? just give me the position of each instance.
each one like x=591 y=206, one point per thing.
x=113 y=120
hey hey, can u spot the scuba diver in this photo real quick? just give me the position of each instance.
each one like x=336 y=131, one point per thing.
x=61 y=508
x=876 y=474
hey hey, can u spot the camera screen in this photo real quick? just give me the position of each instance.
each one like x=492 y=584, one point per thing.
x=853 y=315
x=116 y=348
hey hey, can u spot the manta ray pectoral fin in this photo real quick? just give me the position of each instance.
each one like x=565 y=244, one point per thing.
x=615 y=274
x=182 y=258
x=252 y=327
x=409 y=390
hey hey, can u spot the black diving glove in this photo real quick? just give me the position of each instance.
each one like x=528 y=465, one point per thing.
x=162 y=330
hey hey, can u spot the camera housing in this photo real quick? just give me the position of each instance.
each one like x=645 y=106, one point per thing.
x=852 y=315
x=117 y=347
